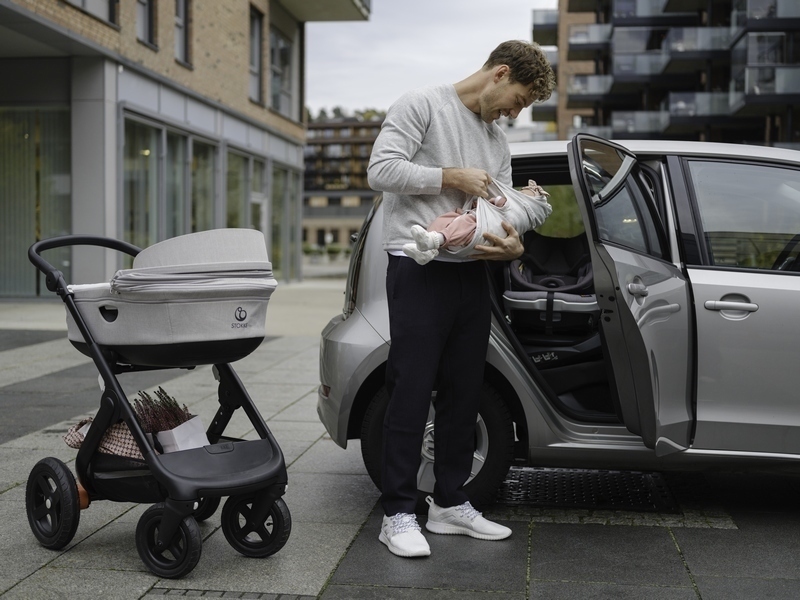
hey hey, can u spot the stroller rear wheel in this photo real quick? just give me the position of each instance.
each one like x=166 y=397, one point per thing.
x=206 y=508
x=263 y=539
x=51 y=501
x=182 y=553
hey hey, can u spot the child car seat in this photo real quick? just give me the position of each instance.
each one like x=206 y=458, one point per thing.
x=549 y=289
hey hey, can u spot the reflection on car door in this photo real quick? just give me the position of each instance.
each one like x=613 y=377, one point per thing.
x=646 y=312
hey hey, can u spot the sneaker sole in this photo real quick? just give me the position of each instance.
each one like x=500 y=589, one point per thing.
x=447 y=529
x=397 y=552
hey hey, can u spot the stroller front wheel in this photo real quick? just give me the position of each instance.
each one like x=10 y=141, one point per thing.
x=182 y=553
x=206 y=508
x=51 y=501
x=266 y=538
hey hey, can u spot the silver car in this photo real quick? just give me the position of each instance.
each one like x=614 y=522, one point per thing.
x=651 y=323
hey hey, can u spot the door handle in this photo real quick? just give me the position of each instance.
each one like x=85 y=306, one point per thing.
x=727 y=305
x=638 y=289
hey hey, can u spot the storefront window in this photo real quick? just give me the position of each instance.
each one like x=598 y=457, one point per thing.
x=280 y=183
x=202 y=186
x=140 y=184
x=176 y=185
x=236 y=190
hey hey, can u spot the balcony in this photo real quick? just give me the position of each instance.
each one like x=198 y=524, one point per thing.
x=598 y=130
x=644 y=65
x=632 y=124
x=671 y=6
x=587 y=91
x=765 y=15
x=698 y=104
x=648 y=12
x=697 y=39
x=588 y=40
x=545 y=27
x=545 y=111
x=587 y=5
x=759 y=88
x=328 y=10
x=552 y=56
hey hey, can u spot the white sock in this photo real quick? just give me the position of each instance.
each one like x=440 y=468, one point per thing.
x=422 y=257
x=426 y=240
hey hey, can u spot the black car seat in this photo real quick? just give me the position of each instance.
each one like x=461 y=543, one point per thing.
x=550 y=289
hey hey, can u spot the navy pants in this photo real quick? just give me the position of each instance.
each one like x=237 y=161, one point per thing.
x=439 y=318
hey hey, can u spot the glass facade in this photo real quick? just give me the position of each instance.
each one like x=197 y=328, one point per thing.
x=35 y=194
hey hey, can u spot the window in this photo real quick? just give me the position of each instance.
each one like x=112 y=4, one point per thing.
x=750 y=214
x=140 y=184
x=145 y=21
x=281 y=72
x=203 y=184
x=175 y=203
x=256 y=52
x=237 y=190
x=182 y=31
x=105 y=10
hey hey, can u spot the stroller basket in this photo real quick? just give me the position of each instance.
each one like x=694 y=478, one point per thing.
x=195 y=299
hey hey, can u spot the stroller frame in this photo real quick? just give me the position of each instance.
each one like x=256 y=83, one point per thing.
x=184 y=483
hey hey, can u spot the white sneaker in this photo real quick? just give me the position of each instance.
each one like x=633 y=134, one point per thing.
x=422 y=257
x=426 y=240
x=403 y=536
x=463 y=520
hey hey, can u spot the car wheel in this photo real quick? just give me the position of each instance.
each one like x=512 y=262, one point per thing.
x=494 y=446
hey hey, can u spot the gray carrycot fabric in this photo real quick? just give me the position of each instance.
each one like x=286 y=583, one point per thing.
x=204 y=294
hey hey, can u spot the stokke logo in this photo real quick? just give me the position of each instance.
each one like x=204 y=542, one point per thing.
x=241 y=315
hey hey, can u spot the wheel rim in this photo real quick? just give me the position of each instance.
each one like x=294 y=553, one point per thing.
x=425 y=477
x=247 y=536
x=173 y=554
x=47 y=505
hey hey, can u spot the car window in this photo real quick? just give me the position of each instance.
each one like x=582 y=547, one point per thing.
x=565 y=221
x=750 y=214
x=623 y=205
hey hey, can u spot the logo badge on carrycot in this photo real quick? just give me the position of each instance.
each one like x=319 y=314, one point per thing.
x=241 y=315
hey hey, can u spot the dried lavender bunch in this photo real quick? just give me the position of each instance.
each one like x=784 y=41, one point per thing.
x=161 y=413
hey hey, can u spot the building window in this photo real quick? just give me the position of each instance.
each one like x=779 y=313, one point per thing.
x=140 y=204
x=256 y=52
x=105 y=10
x=281 y=72
x=176 y=180
x=182 y=31
x=145 y=22
x=237 y=189
x=203 y=184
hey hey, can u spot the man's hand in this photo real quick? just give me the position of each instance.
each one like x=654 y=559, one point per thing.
x=474 y=182
x=507 y=248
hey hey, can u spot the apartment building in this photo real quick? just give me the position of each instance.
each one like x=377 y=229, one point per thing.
x=714 y=70
x=337 y=196
x=145 y=119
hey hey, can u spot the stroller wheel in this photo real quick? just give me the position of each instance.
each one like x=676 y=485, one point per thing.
x=182 y=553
x=206 y=509
x=51 y=501
x=262 y=540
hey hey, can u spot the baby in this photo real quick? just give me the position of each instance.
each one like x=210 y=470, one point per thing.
x=457 y=229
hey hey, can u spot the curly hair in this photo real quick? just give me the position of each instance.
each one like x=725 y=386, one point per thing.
x=528 y=65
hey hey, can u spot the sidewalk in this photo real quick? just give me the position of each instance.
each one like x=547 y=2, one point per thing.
x=731 y=536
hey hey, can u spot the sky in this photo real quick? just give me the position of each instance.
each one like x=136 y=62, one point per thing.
x=407 y=44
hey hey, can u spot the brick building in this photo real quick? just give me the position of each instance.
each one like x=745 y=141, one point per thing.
x=145 y=119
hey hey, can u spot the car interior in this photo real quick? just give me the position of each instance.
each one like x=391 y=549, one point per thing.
x=546 y=303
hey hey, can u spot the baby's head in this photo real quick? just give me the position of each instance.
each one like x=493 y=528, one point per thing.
x=534 y=189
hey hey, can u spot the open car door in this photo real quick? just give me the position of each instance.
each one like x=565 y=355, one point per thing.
x=645 y=319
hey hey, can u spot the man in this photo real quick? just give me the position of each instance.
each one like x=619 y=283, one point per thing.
x=439 y=146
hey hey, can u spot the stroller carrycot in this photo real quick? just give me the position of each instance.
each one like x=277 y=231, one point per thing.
x=195 y=299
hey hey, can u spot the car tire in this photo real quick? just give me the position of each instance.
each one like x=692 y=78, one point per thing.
x=494 y=435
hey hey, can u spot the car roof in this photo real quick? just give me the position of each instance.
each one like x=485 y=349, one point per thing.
x=664 y=147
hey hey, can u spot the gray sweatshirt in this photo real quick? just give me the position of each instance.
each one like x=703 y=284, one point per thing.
x=425 y=131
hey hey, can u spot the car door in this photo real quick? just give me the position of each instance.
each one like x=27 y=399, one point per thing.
x=745 y=280
x=645 y=321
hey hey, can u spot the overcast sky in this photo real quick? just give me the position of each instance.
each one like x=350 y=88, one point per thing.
x=407 y=44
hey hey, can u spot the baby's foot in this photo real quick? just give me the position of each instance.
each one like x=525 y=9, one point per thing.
x=426 y=240
x=423 y=257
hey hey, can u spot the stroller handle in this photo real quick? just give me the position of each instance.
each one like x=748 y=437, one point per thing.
x=52 y=275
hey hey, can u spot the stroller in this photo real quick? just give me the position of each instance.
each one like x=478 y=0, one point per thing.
x=197 y=299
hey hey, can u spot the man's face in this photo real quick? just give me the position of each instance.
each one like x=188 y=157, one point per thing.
x=505 y=98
